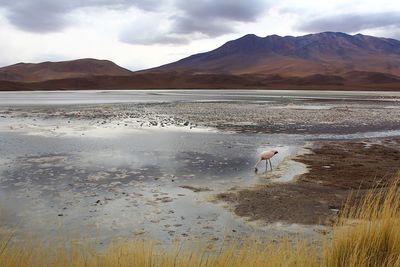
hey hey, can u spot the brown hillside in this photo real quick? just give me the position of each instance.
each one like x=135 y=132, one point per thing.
x=29 y=72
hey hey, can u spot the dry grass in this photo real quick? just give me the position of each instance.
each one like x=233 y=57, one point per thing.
x=367 y=234
x=146 y=254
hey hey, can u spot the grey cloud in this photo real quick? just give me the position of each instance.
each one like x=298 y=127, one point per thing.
x=32 y=16
x=211 y=28
x=214 y=18
x=228 y=9
x=351 y=22
x=50 y=15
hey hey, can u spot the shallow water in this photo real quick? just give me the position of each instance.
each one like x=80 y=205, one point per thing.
x=130 y=183
x=156 y=96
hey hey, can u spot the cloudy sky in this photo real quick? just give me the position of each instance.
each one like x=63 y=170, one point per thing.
x=140 y=34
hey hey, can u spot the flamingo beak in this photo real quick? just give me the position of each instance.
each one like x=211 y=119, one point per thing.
x=255 y=170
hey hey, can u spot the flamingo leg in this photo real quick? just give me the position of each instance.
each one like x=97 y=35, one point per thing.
x=266 y=165
x=270 y=164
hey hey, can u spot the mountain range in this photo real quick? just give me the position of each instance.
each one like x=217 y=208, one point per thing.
x=328 y=60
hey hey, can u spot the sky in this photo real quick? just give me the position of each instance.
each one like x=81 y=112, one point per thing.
x=139 y=34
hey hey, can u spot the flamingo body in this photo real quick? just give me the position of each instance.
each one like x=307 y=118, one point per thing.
x=266 y=155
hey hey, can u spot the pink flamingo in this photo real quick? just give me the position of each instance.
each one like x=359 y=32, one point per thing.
x=266 y=155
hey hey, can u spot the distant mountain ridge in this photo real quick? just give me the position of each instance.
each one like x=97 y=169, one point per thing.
x=36 y=72
x=323 y=61
x=330 y=53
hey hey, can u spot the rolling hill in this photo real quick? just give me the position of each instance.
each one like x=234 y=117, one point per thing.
x=30 y=72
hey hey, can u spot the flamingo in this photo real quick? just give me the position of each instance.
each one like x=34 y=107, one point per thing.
x=266 y=155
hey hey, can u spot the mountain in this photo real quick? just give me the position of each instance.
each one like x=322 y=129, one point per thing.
x=29 y=72
x=328 y=60
x=328 y=53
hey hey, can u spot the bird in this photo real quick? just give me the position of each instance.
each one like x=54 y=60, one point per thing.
x=266 y=155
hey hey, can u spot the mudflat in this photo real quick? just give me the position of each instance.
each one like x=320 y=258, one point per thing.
x=352 y=164
x=335 y=169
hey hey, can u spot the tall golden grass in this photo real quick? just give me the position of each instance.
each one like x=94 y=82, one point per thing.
x=366 y=234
